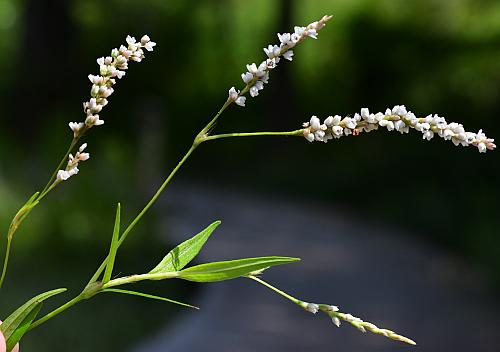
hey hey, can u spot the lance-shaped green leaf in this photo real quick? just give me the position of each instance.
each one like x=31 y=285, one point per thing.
x=181 y=255
x=227 y=270
x=113 y=248
x=16 y=324
x=145 y=295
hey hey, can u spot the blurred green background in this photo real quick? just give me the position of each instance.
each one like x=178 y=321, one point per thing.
x=434 y=56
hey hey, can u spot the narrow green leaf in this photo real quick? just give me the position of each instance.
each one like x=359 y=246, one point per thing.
x=16 y=324
x=220 y=271
x=145 y=295
x=27 y=207
x=23 y=327
x=181 y=255
x=31 y=200
x=114 y=246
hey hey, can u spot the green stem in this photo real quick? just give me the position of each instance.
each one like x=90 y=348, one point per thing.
x=6 y=260
x=136 y=278
x=209 y=125
x=57 y=311
x=253 y=134
x=284 y=294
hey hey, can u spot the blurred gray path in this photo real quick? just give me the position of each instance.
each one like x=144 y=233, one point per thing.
x=368 y=269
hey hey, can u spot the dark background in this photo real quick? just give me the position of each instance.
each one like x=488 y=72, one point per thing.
x=433 y=56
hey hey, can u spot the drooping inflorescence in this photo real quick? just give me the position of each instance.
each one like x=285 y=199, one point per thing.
x=72 y=166
x=363 y=326
x=110 y=68
x=397 y=119
x=257 y=75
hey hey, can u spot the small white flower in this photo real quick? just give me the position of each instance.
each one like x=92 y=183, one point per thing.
x=63 y=175
x=130 y=40
x=76 y=127
x=240 y=101
x=93 y=120
x=337 y=131
x=149 y=46
x=299 y=30
x=247 y=77
x=294 y=38
x=329 y=121
x=319 y=135
x=312 y=33
x=272 y=51
x=332 y=308
x=349 y=122
x=428 y=135
x=233 y=94
x=285 y=38
x=315 y=123
x=271 y=63
x=365 y=113
x=336 y=321
x=288 y=55
x=252 y=68
x=312 y=308
x=309 y=136
x=481 y=147
x=254 y=91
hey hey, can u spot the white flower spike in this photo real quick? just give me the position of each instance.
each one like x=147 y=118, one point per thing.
x=257 y=75
x=110 y=68
x=400 y=119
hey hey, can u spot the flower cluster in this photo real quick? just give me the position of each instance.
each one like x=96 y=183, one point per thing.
x=110 y=68
x=257 y=75
x=395 y=119
x=363 y=326
x=72 y=167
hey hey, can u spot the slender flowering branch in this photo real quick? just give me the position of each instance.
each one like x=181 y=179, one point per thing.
x=335 y=315
x=110 y=68
x=398 y=119
x=258 y=75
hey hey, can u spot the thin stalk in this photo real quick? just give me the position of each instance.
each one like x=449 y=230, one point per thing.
x=254 y=134
x=141 y=277
x=214 y=119
x=284 y=294
x=6 y=260
x=57 y=311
